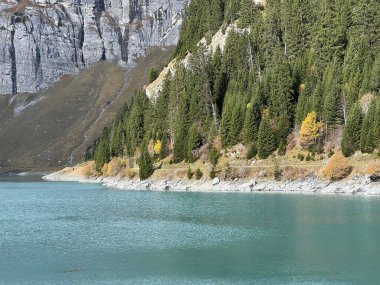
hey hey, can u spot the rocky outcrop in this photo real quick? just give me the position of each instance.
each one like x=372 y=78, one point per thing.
x=41 y=40
x=218 y=40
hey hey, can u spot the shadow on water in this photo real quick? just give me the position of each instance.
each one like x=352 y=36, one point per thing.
x=20 y=178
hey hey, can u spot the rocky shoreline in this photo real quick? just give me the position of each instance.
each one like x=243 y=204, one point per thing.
x=356 y=185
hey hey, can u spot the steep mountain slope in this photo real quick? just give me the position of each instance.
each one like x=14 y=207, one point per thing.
x=53 y=127
x=41 y=40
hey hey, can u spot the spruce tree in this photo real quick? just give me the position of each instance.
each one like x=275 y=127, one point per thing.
x=216 y=15
x=375 y=75
x=266 y=143
x=352 y=131
x=251 y=122
x=102 y=154
x=367 y=136
x=226 y=121
x=192 y=143
x=332 y=104
x=237 y=124
x=145 y=163
x=220 y=81
x=281 y=92
x=181 y=129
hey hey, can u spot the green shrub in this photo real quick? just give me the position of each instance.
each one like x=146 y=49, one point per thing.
x=213 y=173
x=214 y=155
x=252 y=152
x=282 y=149
x=153 y=74
x=189 y=174
x=277 y=173
x=198 y=174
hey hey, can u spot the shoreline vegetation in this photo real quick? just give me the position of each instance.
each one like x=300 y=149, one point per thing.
x=258 y=176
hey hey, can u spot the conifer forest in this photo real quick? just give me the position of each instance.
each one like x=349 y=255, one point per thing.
x=292 y=66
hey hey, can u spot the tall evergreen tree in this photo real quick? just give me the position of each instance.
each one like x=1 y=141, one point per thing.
x=352 y=131
x=252 y=121
x=192 y=143
x=266 y=143
x=145 y=163
x=367 y=137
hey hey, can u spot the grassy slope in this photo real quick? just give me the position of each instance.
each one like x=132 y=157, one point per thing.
x=56 y=131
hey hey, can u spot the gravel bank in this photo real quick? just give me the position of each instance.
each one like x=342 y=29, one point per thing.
x=359 y=185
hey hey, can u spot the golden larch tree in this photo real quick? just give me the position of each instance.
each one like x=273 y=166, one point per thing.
x=311 y=130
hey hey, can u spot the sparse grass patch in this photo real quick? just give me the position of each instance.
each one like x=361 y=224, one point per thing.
x=130 y=173
x=373 y=168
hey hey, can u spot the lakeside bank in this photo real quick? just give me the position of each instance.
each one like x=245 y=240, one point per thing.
x=354 y=185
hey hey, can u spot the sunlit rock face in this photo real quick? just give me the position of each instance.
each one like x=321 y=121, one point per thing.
x=41 y=40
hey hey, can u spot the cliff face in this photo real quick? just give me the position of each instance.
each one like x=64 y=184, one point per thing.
x=41 y=40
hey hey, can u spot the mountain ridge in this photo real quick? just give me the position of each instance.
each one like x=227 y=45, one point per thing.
x=42 y=40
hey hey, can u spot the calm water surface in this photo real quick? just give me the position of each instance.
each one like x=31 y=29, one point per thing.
x=71 y=233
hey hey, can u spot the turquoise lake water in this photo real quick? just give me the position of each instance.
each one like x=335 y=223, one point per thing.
x=71 y=233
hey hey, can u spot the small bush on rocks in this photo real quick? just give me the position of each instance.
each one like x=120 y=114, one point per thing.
x=130 y=173
x=213 y=173
x=277 y=173
x=252 y=152
x=198 y=174
x=189 y=174
x=330 y=153
x=337 y=168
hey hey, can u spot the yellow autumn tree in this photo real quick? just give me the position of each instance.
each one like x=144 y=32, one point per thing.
x=311 y=130
x=157 y=147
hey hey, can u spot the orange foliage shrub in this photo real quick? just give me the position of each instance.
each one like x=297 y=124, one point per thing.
x=337 y=168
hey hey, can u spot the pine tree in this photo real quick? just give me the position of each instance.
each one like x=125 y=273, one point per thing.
x=376 y=126
x=367 y=136
x=220 y=81
x=251 y=122
x=226 y=122
x=266 y=144
x=375 y=75
x=216 y=16
x=281 y=92
x=231 y=11
x=145 y=163
x=101 y=154
x=329 y=38
x=247 y=13
x=332 y=104
x=153 y=74
x=237 y=124
x=352 y=131
x=192 y=143
x=181 y=131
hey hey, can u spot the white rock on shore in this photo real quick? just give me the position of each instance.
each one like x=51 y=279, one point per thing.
x=353 y=186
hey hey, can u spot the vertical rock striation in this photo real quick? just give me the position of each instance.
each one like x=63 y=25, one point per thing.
x=41 y=40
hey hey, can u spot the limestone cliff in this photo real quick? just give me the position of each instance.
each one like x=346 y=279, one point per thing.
x=41 y=40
